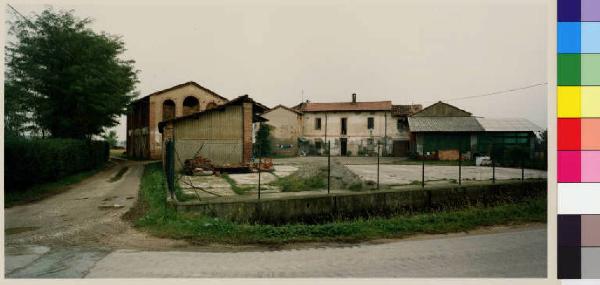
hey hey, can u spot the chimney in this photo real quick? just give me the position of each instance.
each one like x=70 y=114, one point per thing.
x=353 y=98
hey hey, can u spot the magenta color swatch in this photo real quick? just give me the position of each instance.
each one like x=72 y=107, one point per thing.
x=590 y=166
x=590 y=10
x=569 y=166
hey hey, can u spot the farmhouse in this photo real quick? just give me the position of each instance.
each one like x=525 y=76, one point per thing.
x=442 y=131
x=223 y=134
x=143 y=138
x=354 y=128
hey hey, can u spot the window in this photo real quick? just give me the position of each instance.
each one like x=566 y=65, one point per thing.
x=317 y=123
x=370 y=123
x=344 y=125
x=168 y=111
x=402 y=124
x=190 y=105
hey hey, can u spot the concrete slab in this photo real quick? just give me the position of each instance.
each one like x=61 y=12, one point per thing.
x=252 y=178
x=284 y=170
x=405 y=174
x=211 y=184
x=20 y=256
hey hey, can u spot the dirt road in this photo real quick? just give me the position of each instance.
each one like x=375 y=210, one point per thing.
x=89 y=214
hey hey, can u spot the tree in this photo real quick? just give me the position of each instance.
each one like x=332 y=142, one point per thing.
x=64 y=78
x=263 y=140
x=111 y=138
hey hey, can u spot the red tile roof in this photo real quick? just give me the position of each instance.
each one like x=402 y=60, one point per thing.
x=346 y=106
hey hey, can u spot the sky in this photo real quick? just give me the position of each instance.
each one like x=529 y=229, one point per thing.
x=280 y=52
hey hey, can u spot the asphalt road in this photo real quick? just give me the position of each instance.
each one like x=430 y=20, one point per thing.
x=514 y=253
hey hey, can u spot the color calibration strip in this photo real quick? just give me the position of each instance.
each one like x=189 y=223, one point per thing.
x=578 y=102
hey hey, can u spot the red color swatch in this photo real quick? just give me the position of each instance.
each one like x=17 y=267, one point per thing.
x=569 y=134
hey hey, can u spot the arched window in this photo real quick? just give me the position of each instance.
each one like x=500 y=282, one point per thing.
x=211 y=105
x=168 y=110
x=190 y=105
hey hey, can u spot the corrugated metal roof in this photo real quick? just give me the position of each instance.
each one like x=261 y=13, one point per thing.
x=444 y=124
x=508 y=125
x=347 y=106
x=470 y=124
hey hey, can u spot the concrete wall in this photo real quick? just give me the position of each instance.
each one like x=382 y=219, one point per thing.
x=177 y=96
x=358 y=134
x=322 y=207
x=286 y=128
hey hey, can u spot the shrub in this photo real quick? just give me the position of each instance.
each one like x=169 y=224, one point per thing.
x=34 y=161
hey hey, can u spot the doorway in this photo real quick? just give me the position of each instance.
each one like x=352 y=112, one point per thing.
x=344 y=146
x=400 y=148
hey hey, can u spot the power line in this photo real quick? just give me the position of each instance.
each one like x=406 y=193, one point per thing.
x=22 y=16
x=492 y=93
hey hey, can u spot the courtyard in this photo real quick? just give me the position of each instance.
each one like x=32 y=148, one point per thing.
x=290 y=175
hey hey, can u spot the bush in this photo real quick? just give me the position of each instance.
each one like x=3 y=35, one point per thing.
x=34 y=161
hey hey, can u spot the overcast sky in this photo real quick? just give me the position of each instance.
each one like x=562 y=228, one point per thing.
x=409 y=52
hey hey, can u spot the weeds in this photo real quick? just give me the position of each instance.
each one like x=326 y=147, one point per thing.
x=294 y=183
x=163 y=221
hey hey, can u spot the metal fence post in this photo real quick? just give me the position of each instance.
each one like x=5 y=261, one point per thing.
x=522 y=170
x=423 y=171
x=493 y=171
x=328 y=167
x=170 y=167
x=259 y=162
x=459 y=167
x=378 y=150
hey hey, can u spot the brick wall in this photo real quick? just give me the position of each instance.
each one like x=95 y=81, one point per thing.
x=247 y=139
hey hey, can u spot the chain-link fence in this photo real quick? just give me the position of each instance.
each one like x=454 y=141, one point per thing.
x=193 y=174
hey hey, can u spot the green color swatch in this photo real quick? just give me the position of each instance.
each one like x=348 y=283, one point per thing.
x=590 y=69
x=569 y=69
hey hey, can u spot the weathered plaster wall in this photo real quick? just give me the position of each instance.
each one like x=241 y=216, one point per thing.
x=358 y=135
x=286 y=127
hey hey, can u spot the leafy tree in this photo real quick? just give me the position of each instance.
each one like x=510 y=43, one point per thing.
x=64 y=78
x=111 y=138
x=263 y=141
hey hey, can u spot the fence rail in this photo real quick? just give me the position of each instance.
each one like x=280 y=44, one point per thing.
x=376 y=178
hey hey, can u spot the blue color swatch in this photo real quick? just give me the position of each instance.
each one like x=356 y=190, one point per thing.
x=569 y=34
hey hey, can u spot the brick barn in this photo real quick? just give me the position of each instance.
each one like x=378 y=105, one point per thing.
x=143 y=138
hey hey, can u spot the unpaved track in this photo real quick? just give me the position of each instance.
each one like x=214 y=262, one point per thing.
x=89 y=214
x=64 y=235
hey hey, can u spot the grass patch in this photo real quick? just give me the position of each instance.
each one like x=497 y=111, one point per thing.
x=294 y=183
x=163 y=221
x=240 y=190
x=42 y=191
x=119 y=174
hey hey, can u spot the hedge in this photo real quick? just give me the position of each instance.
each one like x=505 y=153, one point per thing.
x=33 y=161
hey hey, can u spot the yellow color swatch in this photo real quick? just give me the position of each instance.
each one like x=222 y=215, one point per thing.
x=569 y=101
x=590 y=101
